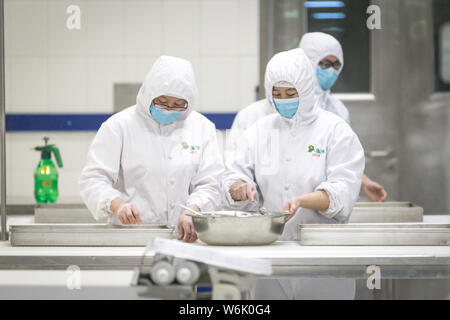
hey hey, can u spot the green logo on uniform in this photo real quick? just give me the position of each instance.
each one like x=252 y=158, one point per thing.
x=192 y=149
x=319 y=151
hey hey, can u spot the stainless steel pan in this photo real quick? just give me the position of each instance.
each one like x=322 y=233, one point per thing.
x=239 y=228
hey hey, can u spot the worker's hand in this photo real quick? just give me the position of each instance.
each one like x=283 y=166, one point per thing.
x=240 y=191
x=292 y=205
x=374 y=191
x=186 y=231
x=128 y=214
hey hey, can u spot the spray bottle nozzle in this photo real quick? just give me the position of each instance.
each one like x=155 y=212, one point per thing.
x=46 y=151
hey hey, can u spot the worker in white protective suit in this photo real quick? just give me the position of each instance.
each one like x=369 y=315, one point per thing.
x=301 y=159
x=150 y=158
x=326 y=56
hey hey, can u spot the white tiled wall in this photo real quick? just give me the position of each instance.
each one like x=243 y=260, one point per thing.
x=52 y=69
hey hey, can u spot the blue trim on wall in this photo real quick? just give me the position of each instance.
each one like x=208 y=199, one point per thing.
x=84 y=122
x=54 y=122
x=222 y=121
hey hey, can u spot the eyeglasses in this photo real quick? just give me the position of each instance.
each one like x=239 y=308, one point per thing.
x=178 y=105
x=287 y=92
x=325 y=64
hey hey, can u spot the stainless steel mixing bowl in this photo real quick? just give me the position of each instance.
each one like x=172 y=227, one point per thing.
x=237 y=228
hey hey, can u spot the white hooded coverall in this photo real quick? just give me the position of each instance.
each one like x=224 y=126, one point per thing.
x=316 y=45
x=283 y=158
x=155 y=166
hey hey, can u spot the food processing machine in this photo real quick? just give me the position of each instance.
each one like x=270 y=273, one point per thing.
x=187 y=271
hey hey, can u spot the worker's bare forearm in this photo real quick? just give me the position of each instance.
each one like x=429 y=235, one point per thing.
x=365 y=180
x=317 y=200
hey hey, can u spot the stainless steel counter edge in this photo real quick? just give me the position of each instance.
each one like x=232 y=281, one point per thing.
x=311 y=269
x=288 y=258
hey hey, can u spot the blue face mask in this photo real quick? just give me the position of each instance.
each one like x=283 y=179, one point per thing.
x=163 y=116
x=326 y=77
x=286 y=107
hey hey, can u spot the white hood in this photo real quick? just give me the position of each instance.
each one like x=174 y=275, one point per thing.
x=318 y=45
x=294 y=67
x=169 y=76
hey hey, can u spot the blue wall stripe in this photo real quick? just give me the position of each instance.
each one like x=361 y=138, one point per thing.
x=222 y=121
x=54 y=122
x=84 y=122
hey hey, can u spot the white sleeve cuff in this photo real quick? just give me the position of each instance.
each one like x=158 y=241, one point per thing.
x=104 y=210
x=335 y=205
x=201 y=204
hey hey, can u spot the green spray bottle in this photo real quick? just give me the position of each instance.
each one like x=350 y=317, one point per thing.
x=46 y=175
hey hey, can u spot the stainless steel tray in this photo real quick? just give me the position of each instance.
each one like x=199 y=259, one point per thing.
x=385 y=212
x=375 y=234
x=63 y=213
x=92 y=235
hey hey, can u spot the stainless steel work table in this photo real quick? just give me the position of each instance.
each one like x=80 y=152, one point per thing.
x=288 y=259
